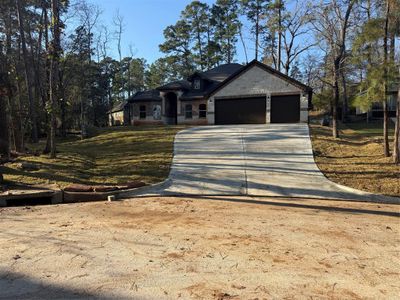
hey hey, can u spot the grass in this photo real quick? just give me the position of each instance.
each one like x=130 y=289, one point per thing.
x=356 y=159
x=113 y=156
x=122 y=154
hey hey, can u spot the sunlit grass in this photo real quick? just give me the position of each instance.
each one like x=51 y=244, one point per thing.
x=112 y=156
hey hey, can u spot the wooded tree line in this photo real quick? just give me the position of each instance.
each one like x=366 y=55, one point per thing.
x=54 y=81
x=58 y=75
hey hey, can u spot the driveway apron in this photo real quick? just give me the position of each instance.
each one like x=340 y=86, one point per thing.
x=273 y=160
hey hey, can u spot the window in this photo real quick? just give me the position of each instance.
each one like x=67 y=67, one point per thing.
x=188 y=111
x=142 y=112
x=196 y=84
x=202 y=111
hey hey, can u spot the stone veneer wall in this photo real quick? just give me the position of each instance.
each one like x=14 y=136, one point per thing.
x=258 y=82
x=195 y=112
x=135 y=118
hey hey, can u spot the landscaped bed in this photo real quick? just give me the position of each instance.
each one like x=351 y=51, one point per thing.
x=356 y=159
x=113 y=156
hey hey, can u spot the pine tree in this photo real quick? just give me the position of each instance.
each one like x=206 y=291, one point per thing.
x=177 y=46
x=197 y=16
x=225 y=19
x=256 y=12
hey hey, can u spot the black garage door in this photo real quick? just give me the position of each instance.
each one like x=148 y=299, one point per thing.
x=285 y=109
x=240 y=111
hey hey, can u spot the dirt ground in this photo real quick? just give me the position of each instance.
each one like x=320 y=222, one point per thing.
x=201 y=248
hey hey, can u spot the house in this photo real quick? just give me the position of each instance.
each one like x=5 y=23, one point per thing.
x=228 y=94
x=376 y=110
x=119 y=114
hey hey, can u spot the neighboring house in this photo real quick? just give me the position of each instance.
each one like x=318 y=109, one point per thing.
x=119 y=114
x=376 y=111
x=228 y=94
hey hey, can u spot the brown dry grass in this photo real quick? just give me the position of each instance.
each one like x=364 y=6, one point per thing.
x=356 y=159
x=114 y=155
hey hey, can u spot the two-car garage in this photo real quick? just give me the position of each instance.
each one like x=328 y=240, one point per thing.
x=253 y=110
x=258 y=94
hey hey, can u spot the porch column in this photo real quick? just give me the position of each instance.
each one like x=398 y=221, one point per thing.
x=304 y=107
x=268 y=108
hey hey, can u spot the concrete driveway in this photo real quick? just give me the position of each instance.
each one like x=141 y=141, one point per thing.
x=256 y=160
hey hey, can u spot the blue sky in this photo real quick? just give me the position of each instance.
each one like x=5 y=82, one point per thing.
x=144 y=21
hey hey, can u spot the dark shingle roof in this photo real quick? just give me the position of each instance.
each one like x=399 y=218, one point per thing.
x=175 y=85
x=196 y=94
x=214 y=76
x=222 y=72
x=149 y=95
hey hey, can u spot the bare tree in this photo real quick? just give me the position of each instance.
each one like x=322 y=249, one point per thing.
x=295 y=27
x=120 y=27
x=119 y=24
x=331 y=23
x=105 y=40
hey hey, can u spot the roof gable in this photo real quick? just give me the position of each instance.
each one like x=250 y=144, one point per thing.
x=264 y=67
x=120 y=106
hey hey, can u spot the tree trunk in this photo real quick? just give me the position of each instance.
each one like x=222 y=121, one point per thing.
x=63 y=109
x=335 y=132
x=19 y=122
x=243 y=44
x=337 y=64
x=4 y=138
x=279 y=35
x=345 y=108
x=200 y=48
x=396 y=146
x=54 y=76
x=27 y=73
x=229 y=50
x=386 y=150
x=257 y=34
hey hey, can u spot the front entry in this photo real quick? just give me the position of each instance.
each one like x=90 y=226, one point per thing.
x=240 y=111
x=171 y=109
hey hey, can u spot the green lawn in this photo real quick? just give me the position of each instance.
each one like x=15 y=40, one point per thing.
x=113 y=156
x=356 y=159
